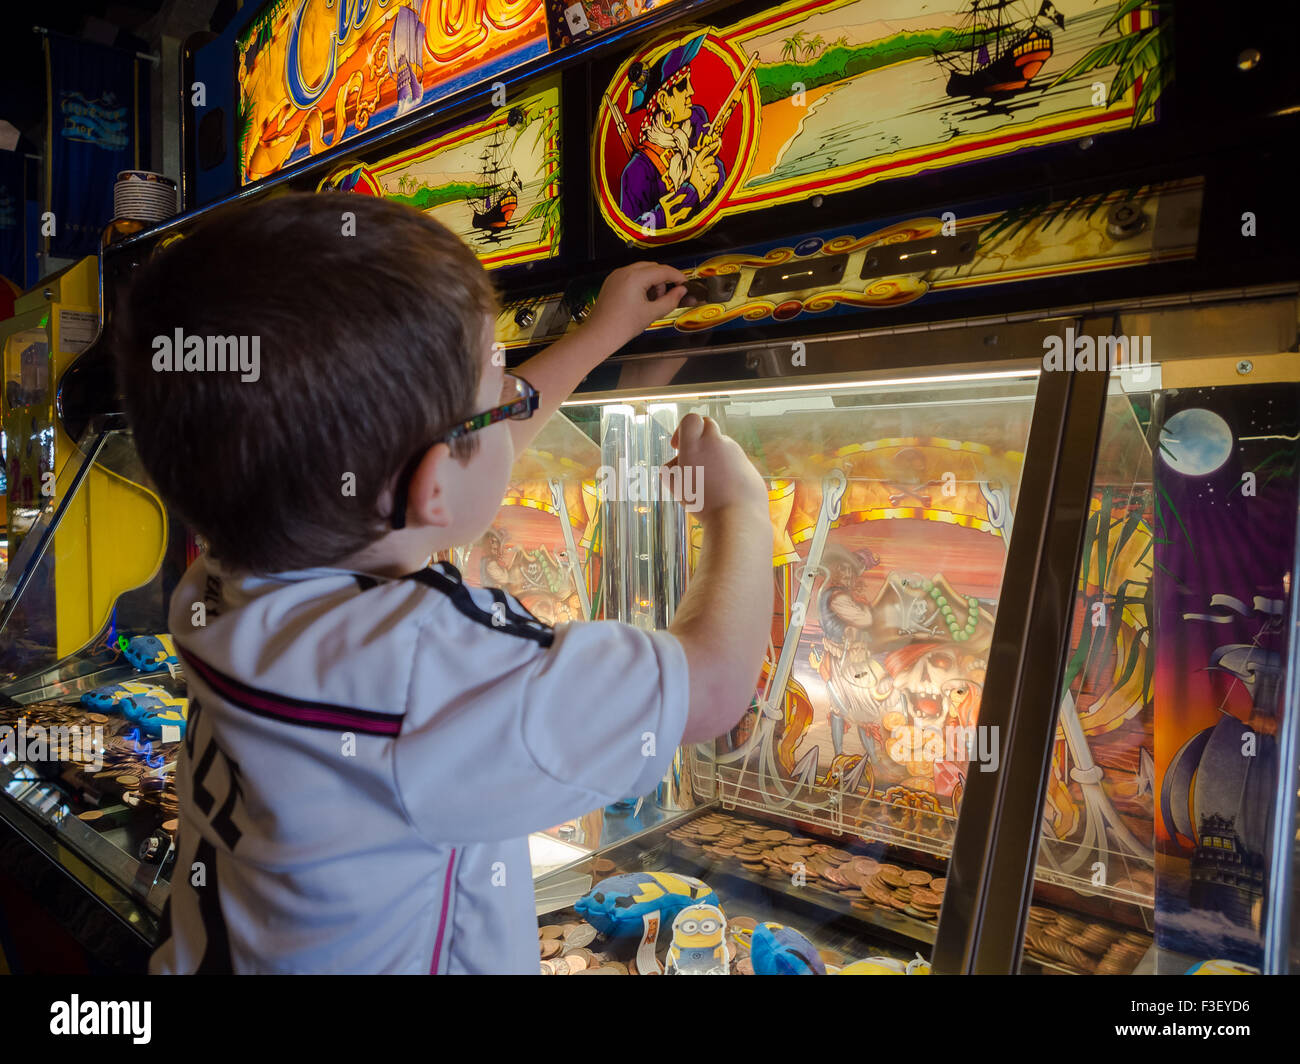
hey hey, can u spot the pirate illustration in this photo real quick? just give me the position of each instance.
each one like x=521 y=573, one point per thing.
x=673 y=170
x=856 y=682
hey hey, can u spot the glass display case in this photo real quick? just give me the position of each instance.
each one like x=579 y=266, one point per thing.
x=833 y=807
x=92 y=702
x=1166 y=824
x=1169 y=807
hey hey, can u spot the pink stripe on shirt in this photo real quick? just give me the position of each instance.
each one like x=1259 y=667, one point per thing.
x=442 y=919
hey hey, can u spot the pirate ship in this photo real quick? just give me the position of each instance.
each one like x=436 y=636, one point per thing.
x=1221 y=802
x=500 y=197
x=1005 y=51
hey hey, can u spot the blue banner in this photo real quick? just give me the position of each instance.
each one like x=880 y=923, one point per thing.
x=92 y=136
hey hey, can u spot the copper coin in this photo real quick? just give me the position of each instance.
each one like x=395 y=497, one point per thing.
x=603 y=867
x=97 y=718
x=550 y=948
x=551 y=931
x=890 y=876
x=833 y=874
x=582 y=935
x=926 y=898
x=917 y=878
x=777 y=836
x=710 y=830
x=170 y=825
x=90 y=814
x=588 y=958
x=940 y=884
x=129 y=781
x=615 y=968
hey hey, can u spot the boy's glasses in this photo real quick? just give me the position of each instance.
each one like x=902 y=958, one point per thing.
x=518 y=401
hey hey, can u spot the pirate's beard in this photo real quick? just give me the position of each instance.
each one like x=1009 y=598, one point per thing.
x=677 y=138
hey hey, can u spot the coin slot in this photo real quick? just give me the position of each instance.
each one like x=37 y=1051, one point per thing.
x=918 y=256
x=797 y=276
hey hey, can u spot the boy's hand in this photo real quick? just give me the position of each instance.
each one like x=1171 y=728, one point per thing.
x=631 y=298
x=724 y=475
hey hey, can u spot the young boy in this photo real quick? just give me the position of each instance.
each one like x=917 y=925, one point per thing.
x=370 y=739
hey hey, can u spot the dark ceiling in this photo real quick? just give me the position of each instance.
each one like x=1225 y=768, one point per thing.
x=22 y=75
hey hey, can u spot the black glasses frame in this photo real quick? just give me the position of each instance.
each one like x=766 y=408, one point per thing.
x=520 y=409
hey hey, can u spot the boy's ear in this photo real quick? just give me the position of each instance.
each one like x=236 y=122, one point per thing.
x=428 y=502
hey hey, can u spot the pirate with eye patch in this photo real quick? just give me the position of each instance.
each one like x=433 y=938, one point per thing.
x=674 y=169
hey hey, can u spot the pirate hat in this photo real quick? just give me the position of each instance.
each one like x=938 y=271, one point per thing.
x=667 y=68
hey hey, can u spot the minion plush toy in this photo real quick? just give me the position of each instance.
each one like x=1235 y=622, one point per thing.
x=699 y=943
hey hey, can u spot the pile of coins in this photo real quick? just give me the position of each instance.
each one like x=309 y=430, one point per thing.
x=1066 y=941
x=564 y=951
x=864 y=881
x=123 y=764
x=910 y=890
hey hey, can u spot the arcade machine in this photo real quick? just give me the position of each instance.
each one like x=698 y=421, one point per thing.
x=1001 y=300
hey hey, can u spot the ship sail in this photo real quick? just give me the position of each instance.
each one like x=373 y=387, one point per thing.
x=499 y=198
x=1006 y=45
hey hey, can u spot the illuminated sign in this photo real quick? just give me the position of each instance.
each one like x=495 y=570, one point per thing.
x=315 y=73
x=821 y=96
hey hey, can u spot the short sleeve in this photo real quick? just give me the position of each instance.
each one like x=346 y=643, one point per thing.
x=505 y=736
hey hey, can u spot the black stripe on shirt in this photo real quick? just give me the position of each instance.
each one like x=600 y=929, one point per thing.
x=518 y=622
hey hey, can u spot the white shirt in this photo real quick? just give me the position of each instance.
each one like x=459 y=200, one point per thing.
x=365 y=758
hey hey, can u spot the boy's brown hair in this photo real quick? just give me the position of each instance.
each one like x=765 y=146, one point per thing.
x=371 y=339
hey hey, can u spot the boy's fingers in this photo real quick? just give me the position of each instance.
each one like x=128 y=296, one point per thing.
x=664 y=300
x=688 y=431
x=656 y=273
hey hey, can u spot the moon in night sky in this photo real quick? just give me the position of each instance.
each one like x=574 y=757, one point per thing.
x=1195 y=442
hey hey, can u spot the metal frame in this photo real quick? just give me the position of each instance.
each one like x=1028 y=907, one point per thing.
x=981 y=926
x=1279 y=912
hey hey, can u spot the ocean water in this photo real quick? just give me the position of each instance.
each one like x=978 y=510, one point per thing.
x=905 y=106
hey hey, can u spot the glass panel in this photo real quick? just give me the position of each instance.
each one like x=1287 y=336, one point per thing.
x=92 y=708
x=1160 y=843
x=831 y=807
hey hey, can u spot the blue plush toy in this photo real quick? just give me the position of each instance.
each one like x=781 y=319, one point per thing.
x=779 y=950
x=106 y=699
x=149 y=707
x=615 y=906
x=150 y=653
x=153 y=712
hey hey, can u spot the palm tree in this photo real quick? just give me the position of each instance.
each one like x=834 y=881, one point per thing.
x=791 y=46
x=813 y=46
x=1143 y=54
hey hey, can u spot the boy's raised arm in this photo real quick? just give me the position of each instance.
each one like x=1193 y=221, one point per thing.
x=622 y=313
x=724 y=620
